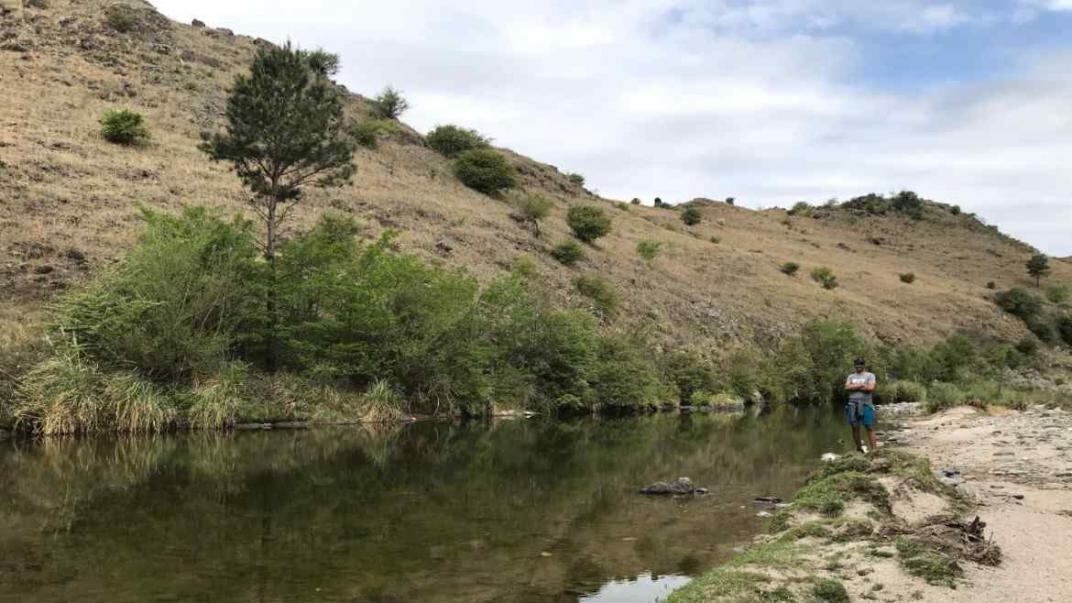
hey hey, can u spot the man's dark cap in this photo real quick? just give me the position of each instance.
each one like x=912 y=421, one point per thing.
x=859 y=361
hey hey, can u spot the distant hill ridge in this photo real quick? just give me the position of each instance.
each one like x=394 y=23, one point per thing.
x=69 y=201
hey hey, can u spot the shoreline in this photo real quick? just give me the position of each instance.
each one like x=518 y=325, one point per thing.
x=903 y=524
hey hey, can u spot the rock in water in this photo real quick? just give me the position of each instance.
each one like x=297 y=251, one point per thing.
x=830 y=457
x=681 y=485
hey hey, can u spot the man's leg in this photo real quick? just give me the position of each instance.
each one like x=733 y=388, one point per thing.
x=871 y=438
x=856 y=435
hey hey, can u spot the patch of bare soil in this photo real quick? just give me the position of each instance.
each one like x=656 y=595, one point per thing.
x=1016 y=468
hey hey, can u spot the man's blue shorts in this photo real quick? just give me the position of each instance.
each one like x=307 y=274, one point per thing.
x=860 y=414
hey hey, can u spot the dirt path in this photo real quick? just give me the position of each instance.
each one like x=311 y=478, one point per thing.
x=1018 y=467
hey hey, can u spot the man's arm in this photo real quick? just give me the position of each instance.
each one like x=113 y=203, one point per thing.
x=869 y=386
x=849 y=385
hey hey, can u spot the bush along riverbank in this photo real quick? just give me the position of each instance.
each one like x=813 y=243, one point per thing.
x=194 y=329
x=881 y=527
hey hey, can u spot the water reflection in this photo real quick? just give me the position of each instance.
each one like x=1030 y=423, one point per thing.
x=514 y=511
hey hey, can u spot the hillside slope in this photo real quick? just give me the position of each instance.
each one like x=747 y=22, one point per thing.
x=69 y=202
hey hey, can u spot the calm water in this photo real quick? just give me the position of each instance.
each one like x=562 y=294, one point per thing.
x=515 y=511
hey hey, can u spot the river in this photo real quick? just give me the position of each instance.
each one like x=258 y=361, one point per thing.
x=513 y=511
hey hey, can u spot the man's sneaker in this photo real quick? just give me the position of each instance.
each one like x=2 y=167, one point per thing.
x=864 y=449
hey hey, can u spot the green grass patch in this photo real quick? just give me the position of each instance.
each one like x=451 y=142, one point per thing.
x=722 y=585
x=924 y=561
x=829 y=590
x=828 y=494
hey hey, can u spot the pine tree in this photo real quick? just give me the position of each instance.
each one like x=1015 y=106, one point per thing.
x=285 y=131
x=1038 y=266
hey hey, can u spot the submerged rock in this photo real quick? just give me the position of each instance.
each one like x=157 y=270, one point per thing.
x=681 y=485
x=830 y=457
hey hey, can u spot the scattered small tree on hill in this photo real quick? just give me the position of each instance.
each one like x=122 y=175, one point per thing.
x=285 y=131
x=588 y=222
x=576 y=178
x=390 y=104
x=648 y=249
x=1038 y=266
x=531 y=209
x=825 y=277
x=790 y=268
x=125 y=127
x=568 y=253
x=730 y=200
x=691 y=216
x=635 y=201
x=485 y=170
x=451 y=141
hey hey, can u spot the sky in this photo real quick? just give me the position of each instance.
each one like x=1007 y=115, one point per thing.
x=769 y=101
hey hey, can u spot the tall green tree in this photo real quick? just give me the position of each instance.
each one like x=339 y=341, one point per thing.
x=1038 y=266
x=285 y=131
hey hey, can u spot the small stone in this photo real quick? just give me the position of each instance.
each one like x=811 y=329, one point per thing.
x=764 y=514
x=1018 y=496
x=545 y=554
x=46 y=269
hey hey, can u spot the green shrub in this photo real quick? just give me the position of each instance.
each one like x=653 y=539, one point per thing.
x=955 y=210
x=648 y=249
x=691 y=216
x=907 y=277
x=942 y=395
x=174 y=306
x=485 y=170
x=825 y=277
x=624 y=376
x=367 y=133
x=1059 y=293
x=125 y=127
x=828 y=590
x=991 y=285
x=1020 y=303
x=790 y=268
x=389 y=104
x=122 y=18
x=451 y=141
x=588 y=222
x=605 y=299
x=576 y=179
x=568 y=253
x=531 y=208
x=635 y=201
x=715 y=240
x=688 y=374
x=801 y=208
x=1064 y=328
x=363 y=313
x=903 y=391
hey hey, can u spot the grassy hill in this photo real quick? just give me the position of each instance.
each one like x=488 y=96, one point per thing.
x=69 y=202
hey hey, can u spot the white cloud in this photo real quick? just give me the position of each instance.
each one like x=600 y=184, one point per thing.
x=685 y=98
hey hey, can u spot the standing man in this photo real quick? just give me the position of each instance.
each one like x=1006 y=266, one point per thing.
x=860 y=408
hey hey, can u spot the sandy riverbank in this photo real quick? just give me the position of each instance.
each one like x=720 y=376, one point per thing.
x=1017 y=471
x=892 y=527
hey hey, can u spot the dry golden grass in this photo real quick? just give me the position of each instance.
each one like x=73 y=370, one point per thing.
x=64 y=188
